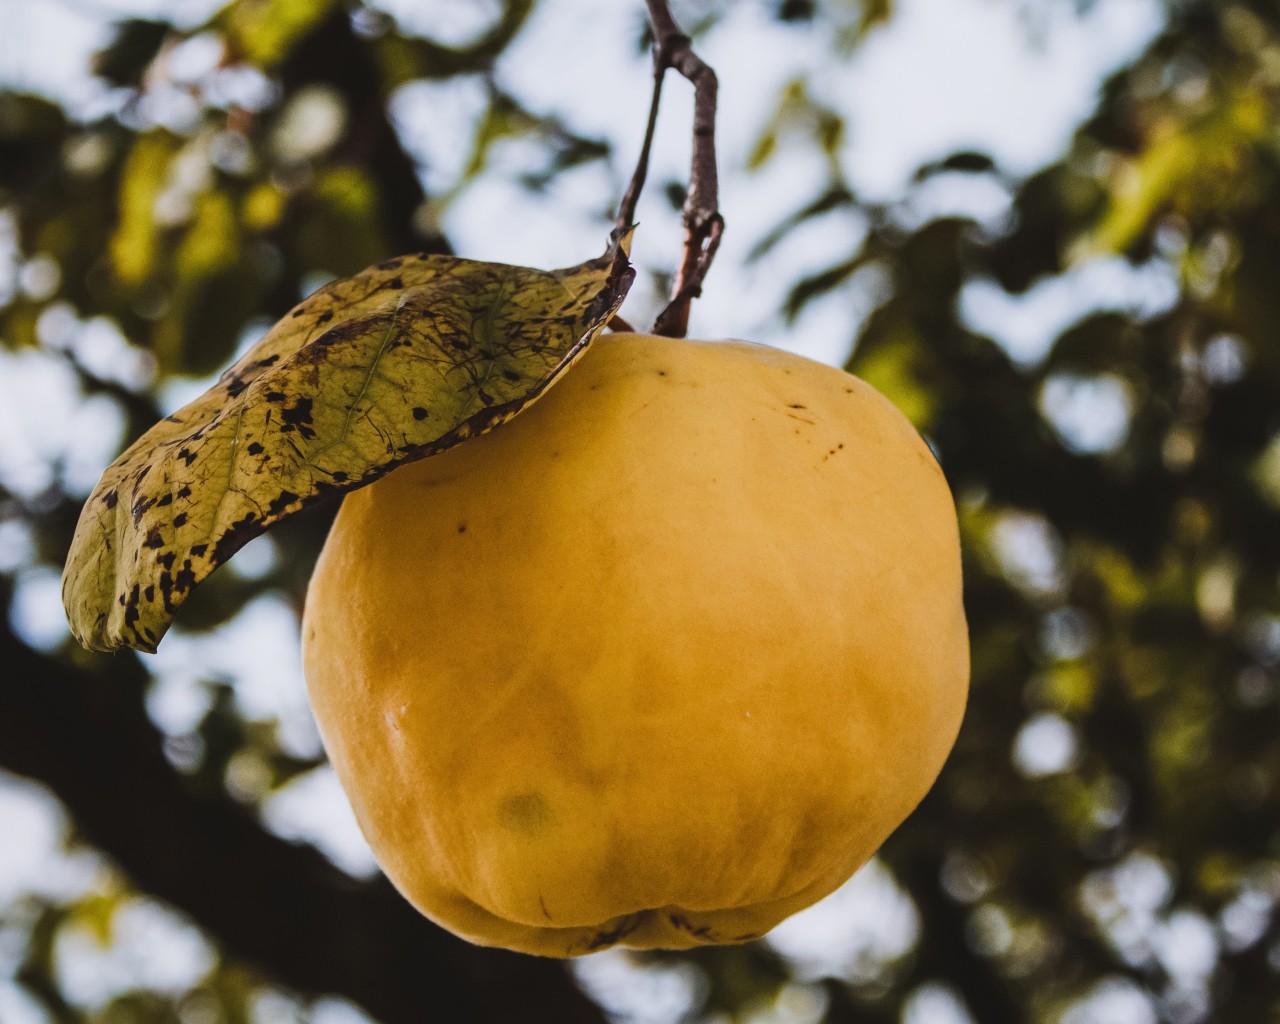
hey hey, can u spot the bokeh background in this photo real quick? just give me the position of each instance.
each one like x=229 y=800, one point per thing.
x=1049 y=230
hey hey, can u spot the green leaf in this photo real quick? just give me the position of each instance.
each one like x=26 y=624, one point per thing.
x=401 y=361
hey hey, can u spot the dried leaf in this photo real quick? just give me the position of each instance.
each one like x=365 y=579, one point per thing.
x=399 y=362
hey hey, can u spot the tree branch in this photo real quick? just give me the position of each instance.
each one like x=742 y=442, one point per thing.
x=279 y=906
x=703 y=224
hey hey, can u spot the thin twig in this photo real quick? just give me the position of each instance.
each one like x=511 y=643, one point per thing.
x=627 y=208
x=703 y=224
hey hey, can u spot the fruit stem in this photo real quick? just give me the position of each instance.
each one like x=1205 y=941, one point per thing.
x=703 y=224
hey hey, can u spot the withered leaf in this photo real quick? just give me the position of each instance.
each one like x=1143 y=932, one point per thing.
x=399 y=362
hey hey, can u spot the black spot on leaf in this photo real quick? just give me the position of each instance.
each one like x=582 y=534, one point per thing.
x=184 y=579
x=282 y=501
x=298 y=417
x=237 y=536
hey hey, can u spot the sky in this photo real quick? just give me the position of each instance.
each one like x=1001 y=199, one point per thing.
x=1011 y=78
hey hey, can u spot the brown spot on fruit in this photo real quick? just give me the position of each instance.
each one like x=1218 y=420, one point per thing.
x=526 y=813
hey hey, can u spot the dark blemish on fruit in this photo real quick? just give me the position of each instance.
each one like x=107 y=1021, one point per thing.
x=340 y=476
x=612 y=935
x=255 y=449
x=797 y=406
x=419 y=413
x=543 y=904
x=274 y=396
x=511 y=375
x=183 y=492
x=325 y=317
x=180 y=519
x=390 y=265
x=187 y=456
x=526 y=813
x=166 y=560
x=199 y=549
x=165 y=502
x=395 y=282
x=662 y=373
x=298 y=312
x=140 y=508
x=684 y=924
x=111 y=499
x=150 y=593
x=462 y=527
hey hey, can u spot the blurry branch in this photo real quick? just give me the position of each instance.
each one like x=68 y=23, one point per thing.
x=333 y=55
x=944 y=953
x=281 y=907
x=703 y=223
x=409 y=58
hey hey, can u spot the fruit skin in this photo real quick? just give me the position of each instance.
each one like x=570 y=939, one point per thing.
x=658 y=663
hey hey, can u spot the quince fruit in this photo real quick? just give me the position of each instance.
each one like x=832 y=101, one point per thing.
x=657 y=663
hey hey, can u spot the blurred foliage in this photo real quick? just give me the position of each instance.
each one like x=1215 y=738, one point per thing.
x=1114 y=798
